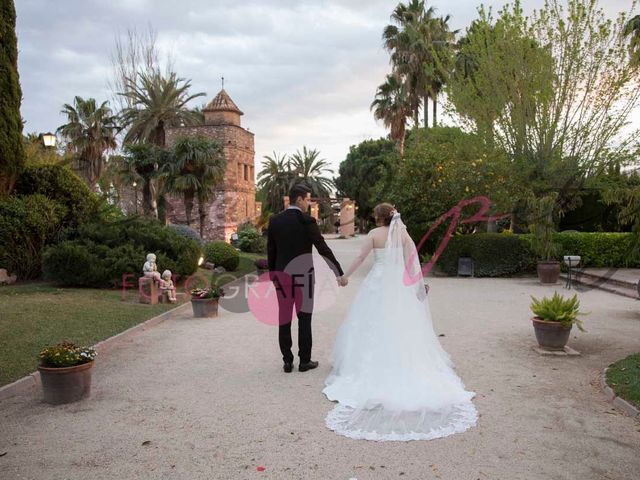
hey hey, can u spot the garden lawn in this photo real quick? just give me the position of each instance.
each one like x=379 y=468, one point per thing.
x=37 y=314
x=624 y=378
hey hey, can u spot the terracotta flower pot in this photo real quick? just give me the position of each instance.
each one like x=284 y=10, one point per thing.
x=548 y=271
x=66 y=384
x=204 y=307
x=551 y=335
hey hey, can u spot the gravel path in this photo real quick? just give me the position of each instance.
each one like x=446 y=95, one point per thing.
x=210 y=397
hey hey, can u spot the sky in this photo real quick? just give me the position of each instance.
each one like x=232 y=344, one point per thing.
x=304 y=72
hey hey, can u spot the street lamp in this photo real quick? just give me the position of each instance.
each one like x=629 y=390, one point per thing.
x=135 y=186
x=49 y=139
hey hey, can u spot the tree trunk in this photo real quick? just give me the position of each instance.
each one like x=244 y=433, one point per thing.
x=188 y=204
x=401 y=145
x=426 y=112
x=146 y=199
x=202 y=214
x=435 y=109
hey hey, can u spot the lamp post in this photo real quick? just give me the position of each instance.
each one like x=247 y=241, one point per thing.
x=135 y=188
x=49 y=139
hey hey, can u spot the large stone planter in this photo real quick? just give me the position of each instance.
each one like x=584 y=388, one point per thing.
x=548 y=271
x=66 y=384
x=204 y=307
x=551 y=335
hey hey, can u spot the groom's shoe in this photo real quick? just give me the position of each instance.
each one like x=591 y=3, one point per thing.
x=310 y=365
x=288 y=367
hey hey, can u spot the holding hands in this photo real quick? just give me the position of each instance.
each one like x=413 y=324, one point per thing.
x=342 y=281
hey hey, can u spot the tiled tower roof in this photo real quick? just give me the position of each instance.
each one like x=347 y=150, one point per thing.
x=222 y=103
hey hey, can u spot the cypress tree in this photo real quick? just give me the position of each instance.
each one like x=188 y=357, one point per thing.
x=11 y=152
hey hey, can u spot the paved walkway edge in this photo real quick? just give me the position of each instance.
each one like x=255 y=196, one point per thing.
x=618 y=402
x=26 y=383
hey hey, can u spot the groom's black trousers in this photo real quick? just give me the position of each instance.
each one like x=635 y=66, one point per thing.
x=295 y=293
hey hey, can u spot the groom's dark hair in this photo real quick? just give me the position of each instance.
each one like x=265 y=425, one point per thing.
x=299 y=190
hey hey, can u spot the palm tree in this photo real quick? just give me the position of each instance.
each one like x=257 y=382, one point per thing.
x=196 y=165
x=90 y=132
x=393 y=106
x=440 y=43
x=632 y=29
x=420 y=46
x=309 y=169
x=157 y=102
x=140 y=164
x=398 y=40
x=275 y=180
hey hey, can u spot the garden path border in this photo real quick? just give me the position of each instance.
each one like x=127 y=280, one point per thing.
x=618 y=402
x=32 y=380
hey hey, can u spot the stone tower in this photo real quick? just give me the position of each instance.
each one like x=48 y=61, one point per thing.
x=233 y=201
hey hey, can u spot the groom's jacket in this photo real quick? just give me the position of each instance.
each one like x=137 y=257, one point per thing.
x=292 y=233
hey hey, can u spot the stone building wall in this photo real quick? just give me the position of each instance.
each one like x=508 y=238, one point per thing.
x=233 y=201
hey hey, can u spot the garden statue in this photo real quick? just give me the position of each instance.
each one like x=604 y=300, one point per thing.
x=5 y=278
x=150 y=268
x=166 y=287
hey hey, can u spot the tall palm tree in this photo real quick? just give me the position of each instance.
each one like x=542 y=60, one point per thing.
x=393 y=106
x=439 y=42
x=140 y=164
x=632 y=29
x=309 y=169
x=275 y=180
x=420 y=47
x=90 y=132
x=398 y=39
x=157 y=101
x=195 y=166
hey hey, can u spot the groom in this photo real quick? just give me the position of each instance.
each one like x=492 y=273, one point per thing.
x=291 y=235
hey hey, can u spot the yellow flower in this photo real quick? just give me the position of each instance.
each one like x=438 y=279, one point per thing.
x=466 y=189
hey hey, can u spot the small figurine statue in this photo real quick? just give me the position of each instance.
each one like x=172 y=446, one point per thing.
x=150 y=268
x=166 y=287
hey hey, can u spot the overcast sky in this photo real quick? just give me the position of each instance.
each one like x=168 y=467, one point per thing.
x=303 y=72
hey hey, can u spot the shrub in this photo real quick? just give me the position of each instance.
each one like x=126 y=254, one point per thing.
x=27 y=224
x=258 y=245
x=59 y=183
x=247 y=235
x=494 y=254
x=100 y=253
x=222 y=254
x=186 y=231
x=498 y=254
x=598 y=249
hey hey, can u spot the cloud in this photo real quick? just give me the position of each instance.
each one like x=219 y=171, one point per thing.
x=303 y=71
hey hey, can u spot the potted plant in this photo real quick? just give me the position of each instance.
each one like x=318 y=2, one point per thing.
x=65 y=372
x=204 y=301
x=554 y=318
x=542 y=226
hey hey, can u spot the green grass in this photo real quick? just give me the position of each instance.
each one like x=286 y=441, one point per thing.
x=36 y=314
x=624 y=378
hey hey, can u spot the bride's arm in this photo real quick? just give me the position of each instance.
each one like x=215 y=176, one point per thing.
x=364 y=251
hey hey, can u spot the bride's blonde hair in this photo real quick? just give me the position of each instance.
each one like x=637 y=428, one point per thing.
x=383 y=213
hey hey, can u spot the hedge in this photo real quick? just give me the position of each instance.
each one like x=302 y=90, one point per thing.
x=99 y=254
x=222 y=254
x=498 y=254
x=27 y=225
x=494 y=254
x=59 y=183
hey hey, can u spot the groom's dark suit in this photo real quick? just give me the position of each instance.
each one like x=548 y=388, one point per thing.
x=291 y=235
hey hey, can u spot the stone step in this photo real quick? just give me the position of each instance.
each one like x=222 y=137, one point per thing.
x=606 y=276
x=603 y=283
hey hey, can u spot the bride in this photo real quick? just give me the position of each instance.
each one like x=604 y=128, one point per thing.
x=391 y=377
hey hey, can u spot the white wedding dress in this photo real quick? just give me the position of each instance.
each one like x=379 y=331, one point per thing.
x=390 y=375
